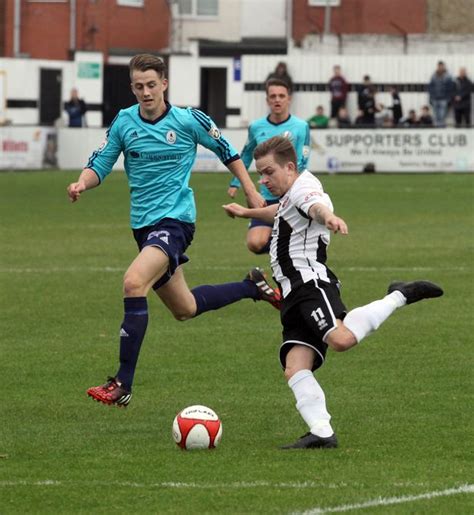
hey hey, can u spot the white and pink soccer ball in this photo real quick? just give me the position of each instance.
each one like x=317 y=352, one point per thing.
x=197 y=427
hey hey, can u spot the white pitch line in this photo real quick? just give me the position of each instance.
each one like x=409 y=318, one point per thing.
x=178 y=485
x=111 y=269
x=387 y=501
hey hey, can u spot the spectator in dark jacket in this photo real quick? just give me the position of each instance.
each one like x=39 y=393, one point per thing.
x=396 y=107
x=338 y=88
x=441 y=92
x=76 y=109
x=281 y=72
x=462 y=99
x=411 y=120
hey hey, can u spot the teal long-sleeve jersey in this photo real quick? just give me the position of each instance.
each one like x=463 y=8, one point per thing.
x=293 y=128
x=158 y=157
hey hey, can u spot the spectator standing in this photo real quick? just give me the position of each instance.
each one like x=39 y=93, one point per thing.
x=462 y=99
x=76 y=109
x=396 y=107
x=343 y=119
x=338 y=88
x=441 y=92
x=369 y=107
x=425 y=120
x=319 y=120
x=281 y=72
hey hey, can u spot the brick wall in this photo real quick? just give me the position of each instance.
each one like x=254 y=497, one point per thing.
x=100 y=26
x=361 y=17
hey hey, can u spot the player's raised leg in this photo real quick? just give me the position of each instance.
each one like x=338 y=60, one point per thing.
x=362 y=321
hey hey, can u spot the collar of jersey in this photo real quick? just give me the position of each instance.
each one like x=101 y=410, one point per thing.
x=279 y=123
x=152 y=122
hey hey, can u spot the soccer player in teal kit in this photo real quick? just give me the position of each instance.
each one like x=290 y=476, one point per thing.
x=278 y=123
x=159 y=143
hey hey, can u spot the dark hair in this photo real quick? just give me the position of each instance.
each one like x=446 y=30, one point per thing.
x=282 y=149
x=277 y=82
x=144 y=62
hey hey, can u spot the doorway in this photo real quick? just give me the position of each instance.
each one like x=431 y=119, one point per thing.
x=50 y=107
x=214 y=94
x=117 y=92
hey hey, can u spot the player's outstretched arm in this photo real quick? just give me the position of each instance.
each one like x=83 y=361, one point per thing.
x=87 y=180
x=324 y=216
x=266 y=214
x=254 y=199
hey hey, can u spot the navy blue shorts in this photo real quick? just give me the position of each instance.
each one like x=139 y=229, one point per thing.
x=259 y=223
x=172 y=237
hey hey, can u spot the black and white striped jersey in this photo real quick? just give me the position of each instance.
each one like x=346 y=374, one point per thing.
x=298 y=246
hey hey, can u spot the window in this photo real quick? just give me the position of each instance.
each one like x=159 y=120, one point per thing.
x=131 y=3
x=196 y=8
x=324 y=3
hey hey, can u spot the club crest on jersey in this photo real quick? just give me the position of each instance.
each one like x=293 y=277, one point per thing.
x=288 y=135
x=171 y=137
x=214 y=132
x=103 y=145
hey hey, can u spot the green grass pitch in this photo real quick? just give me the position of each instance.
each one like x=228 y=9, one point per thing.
x=401 y=401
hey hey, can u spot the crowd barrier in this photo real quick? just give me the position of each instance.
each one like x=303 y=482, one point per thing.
x=332 y=150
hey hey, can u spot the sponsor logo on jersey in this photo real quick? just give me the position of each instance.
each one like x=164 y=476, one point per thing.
x=171 y=137
x=312 y=194
x=214 y=132
x=134 y=134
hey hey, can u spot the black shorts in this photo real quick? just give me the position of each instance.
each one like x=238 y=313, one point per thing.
x=308 y=315
x=254 y=222
x=172 y=237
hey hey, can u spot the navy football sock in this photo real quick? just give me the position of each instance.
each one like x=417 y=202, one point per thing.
x=209 y=297
x=132 y=333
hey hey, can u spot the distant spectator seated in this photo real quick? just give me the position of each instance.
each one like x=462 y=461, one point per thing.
x=383 y=116
x=411 y=120
x=343 y=120
x=76 y=109
x=319 y=120
x=281 y=72
x=425 y=120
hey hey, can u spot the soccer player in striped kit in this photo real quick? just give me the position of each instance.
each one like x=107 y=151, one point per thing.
x=312 y=312
x=159 y=143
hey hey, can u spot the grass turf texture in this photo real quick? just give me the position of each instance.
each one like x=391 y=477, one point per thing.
x=399 y=401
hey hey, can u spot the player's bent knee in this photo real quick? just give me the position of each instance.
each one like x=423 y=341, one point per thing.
x=255 y=247
x=132 y=284
x=340 y=341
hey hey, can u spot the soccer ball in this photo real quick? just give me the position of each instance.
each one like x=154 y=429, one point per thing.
x=197 y=427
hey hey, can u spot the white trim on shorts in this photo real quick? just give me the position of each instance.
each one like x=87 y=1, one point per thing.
x=298 y=342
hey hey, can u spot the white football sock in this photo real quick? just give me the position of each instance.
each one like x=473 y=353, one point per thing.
x=366 y=319
x=311 y=403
